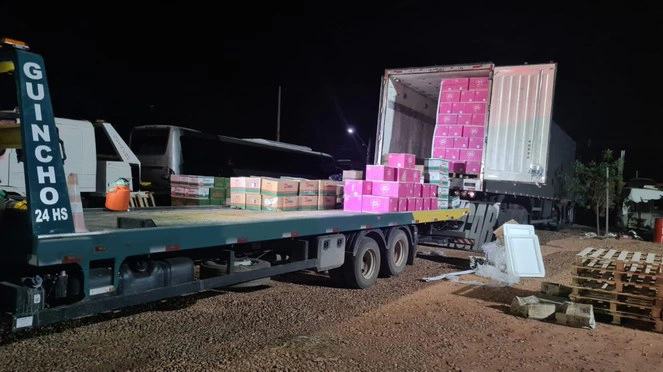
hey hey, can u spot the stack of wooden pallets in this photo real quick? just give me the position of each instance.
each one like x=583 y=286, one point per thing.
x=624 y=285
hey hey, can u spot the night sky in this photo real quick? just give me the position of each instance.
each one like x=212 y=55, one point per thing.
x=219 y=72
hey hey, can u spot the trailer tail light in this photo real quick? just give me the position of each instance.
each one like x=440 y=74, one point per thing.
x=71 y=259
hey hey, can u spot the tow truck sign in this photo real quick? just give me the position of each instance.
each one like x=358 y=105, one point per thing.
x=46 y=186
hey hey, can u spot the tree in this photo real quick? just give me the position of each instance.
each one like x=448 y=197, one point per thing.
x=591 y=185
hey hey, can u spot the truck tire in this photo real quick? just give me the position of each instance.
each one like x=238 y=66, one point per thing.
x=213 y=268
x=362 y=270
x=396 y=255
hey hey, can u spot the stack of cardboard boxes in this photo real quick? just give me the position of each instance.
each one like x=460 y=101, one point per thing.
x=278 y=194
x=199 y=190
x=436 y=171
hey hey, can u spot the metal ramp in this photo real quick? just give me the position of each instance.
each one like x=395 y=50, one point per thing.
x=469 y=233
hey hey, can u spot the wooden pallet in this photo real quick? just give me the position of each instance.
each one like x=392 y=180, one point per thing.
x=652 y=324
x=634 y=286
x=631 y=307
x=616 y=261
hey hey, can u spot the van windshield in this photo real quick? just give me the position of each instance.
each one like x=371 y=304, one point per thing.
x=149 y=141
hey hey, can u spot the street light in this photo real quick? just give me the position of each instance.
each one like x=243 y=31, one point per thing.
x=368 y=146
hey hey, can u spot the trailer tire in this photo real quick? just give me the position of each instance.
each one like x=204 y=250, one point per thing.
x=396 y=256
x=362 y=269
x=212 y=268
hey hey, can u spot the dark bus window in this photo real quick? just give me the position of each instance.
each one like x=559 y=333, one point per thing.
x=151 y=141
x=105 y=149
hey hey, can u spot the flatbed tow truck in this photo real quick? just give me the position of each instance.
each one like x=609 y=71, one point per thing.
x=52 y=269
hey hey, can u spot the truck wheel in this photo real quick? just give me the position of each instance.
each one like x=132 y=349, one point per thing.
x=212 y=268
x=396 y=255
x=362 y=270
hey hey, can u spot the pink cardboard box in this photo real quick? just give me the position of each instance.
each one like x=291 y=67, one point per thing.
x=445 y=108
x=478 y=119
x=402 y=160
x=455 y=130
x=438 y=152
x=428 y=190
x=473 y=131
x=427 y=204
x=358 y=188
x=470 y=155
x=443 y=142
x=459 y=108
x=461 y=142
x=391 y=189
x=401 y=175
x=414 y=176
x=402 y=204
x=481 y=96
x=456 y=84
x=467 y=96
x=380 y=173
x=475 y=143
x=452 y=154
x=418 y=190
x=475 y=108
x=450 y=96
x=419 y=204
x=441 y=130
x=352 y=203
x=473 y=167
x=478 y=83
x=447 y=119
x=464 y=119
x=379 y=204
x=409 y=187
x=411 y=204
x=433 y=190
x=457 y=167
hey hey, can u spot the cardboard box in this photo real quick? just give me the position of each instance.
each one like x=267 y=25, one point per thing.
x=454 y=202
x=418 y=190
x=447 y=119
x=435 y=163
x=481 y=96
x=238 y=200
x=218 y=192
x=475 y=143
x=419 y=204
x=473 y=167
x=455 y=130
x=445 y=108
x=461 y=142
x=177 y=191
x=402 y=204
x=432 y=176
x=358 y=188
x=471 y=155
x=450 y=96
x=379 y=204
x=411 y=204
x=402 y=175
x=178 y=201
x=279 y=187
x=353 y=175
x=478 y=119
x=452 y=154
x=439 y=152
x=467 y=96
x=442 y=203
x=460 y=83
x=464 y=119
x=473 y=131
x=351 y=203
x=326 y=202
x=478 y=83
x=459 y=108
x=402 y=160
x=308 y=187
x=254 y=202
x=280 y=203
x=476 y=108
x=222 y=182
x=307 y=203
x=380 y=173
x=391 y=189
x=196 y=192
x=442 y=131
x=330 y=188
x=250 y=185
x=457 y=166
x=217 y=201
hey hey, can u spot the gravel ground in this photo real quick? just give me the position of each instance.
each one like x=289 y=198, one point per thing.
x=302 y=323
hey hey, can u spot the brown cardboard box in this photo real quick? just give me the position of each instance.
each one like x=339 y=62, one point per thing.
x=254 y=202
x=238 y=200
x=308 y=202
x=280 y=203
x=328 y=188
x=279 y=187
x=326 y=202
x=353 y=175
x=308 y=187
x=248 y=185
